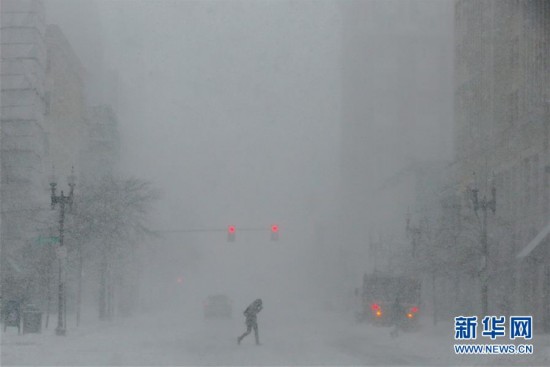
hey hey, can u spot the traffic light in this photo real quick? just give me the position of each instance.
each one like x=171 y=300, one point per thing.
x=231 y=233
x=274 y=232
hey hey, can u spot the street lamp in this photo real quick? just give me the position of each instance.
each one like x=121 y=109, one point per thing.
x=62 y=200
x=414 y=233
x=484 y=205
x=420 y=234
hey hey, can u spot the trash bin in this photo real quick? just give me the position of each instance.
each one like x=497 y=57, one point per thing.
x=12 y=315
x=32 y=320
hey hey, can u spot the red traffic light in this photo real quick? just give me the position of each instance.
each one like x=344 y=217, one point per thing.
x=274 y=232
x=231 y=233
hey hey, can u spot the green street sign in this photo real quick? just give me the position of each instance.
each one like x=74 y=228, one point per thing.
x=47 y=240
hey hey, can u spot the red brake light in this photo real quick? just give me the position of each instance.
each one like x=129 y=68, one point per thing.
x=374 y=307
x=414 y=309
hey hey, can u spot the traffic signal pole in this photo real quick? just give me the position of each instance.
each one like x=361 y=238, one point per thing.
x=230 y=230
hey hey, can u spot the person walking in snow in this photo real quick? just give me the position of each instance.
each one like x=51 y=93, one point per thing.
x=251 y=322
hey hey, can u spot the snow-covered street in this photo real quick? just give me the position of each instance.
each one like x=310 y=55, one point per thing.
x=306 y=339
x=364 y=182
x=175 y=340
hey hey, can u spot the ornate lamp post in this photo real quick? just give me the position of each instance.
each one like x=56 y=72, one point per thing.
x=414 y=234
x=62 y=200
x=484 y=205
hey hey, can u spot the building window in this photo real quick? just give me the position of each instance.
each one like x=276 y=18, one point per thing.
x=527 y=181
x=47 y=102
x=514 y=107
x=536 y=178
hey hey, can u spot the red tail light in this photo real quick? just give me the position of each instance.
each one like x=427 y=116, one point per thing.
x=376 y=309
x=414 y=309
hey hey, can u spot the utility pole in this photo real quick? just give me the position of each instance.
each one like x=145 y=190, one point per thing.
x=546 y=210
x=419 y=235
x=484 y=204
x=62 y=200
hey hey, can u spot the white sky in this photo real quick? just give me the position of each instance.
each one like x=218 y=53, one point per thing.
x=230 y=107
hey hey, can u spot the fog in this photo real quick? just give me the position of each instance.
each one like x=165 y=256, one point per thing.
x=331 y=120
x=231 y=109
x=234 y=109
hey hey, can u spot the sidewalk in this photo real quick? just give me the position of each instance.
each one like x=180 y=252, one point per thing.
x=438 y=341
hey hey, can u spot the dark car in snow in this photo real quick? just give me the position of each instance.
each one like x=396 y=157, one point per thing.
x=218 y=306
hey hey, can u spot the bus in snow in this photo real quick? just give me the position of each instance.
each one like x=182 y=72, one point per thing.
x=380 y=292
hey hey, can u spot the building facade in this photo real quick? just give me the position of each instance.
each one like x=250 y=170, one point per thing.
x=66 y=106
x=502 y=104
x=47 y=129
x=24 y=191
x=396 y=92
x=103 y=143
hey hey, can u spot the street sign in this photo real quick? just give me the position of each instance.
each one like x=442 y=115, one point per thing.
x=41 y=240
x=61 y=252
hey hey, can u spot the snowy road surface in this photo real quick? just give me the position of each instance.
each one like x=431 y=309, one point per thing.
x=306 y=339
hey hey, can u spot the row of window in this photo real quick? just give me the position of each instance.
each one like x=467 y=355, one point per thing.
x=521 y=189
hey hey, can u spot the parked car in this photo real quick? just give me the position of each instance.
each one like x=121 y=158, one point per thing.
x=217 y=306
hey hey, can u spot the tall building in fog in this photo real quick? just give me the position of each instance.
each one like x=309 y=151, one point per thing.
x=24 y=191
x=103 y=143
x=66 y=107
x=46 y=127
x=502 y=113
x=396 y=103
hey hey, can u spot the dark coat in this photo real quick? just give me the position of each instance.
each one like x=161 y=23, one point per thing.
x=252 y=311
